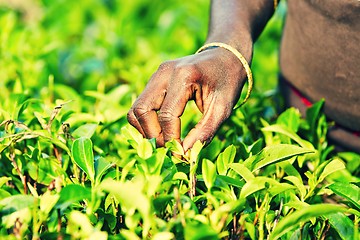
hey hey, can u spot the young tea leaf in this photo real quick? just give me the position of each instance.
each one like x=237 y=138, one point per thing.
x=224 y=159
x=144 y=149
x=208 y=173
x=331 y=167
x=86 y=130
x=82 y=153
x=277 y=153
x=175 y=147
x=101 y=165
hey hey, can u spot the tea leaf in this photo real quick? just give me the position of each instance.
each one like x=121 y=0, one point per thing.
x=101 y=165
x=276 y=153
x=242 y=170
x=83 y=156
x=208 y=173
x=72 y=193
x=289 y=133
x=342 y=224
x=224 y=159
x=86 y=130
x=175 y=147
x=349 y=191
x=292 y=221
x=331 y=167
x=144 y=149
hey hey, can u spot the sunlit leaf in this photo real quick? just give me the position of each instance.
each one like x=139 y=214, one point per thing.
x=86 y=130
x=82 y=153
x=175 y=147
x=144 y=149
x=101 y=165
x=331 y=167
x=208 y=173
x=276 y=153
x=242 y=170
x=224 y=159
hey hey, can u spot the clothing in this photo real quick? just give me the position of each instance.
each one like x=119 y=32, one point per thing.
x=342 y=138
x=320 y=56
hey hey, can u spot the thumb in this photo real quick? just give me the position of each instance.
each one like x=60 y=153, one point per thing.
x=205 y=130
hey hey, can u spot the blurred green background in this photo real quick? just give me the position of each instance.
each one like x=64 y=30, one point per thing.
x=98 y=44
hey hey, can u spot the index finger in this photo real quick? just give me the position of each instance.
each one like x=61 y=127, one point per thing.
x=184 y=84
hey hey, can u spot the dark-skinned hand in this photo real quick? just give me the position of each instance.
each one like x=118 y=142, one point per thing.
x=212 y=78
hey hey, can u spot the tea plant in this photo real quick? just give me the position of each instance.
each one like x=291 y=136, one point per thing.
x=72 y=168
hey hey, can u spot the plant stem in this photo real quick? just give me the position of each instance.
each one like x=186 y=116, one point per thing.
x=22 y=177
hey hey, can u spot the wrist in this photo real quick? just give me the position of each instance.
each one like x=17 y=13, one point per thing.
x=239 y=57
x=242 y=44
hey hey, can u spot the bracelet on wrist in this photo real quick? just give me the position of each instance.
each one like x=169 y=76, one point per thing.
x=242 y=60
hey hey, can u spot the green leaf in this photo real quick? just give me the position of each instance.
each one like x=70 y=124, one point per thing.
x=144 y=149
x=86 y=130
x=175 y=147
x=243 y=171
x=72 y=193
x=298 y=184
x=195 y=230
x=132 y=135
x=312 y=115
x=349 y=191
x=255 y=185
x=131 y=197
x=48 y=201
x=101 y=165
x=289 y=133
x=163 y=236
x=195 y=151
x=292 y=221
x=4 y=180
x=276 y=153
x=290 y=118
x=208 y=173
x=15 y=203
x=331 y=167
x=224 y=159
x=82 y=153
x=342 y=224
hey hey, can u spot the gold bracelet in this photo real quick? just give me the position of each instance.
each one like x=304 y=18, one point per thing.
x=276 y=3
x=242 y=60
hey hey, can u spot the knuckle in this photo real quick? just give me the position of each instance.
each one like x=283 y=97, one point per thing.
x=188 y=71
x=131 y=117
x=165 y=116
x=140 y=111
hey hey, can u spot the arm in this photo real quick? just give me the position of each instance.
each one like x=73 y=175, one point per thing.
x=212 y=78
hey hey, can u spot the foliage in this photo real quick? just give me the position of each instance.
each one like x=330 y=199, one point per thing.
x=72 y=168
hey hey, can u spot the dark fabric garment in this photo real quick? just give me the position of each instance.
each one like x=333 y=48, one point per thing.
x=320 y=56
x=342 y=138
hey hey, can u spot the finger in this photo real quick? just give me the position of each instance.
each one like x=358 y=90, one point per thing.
x=134 y=122
x=178 y=94
x=145 y=112
x=217 y=112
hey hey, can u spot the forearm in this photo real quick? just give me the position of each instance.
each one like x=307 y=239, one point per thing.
x=239 y=22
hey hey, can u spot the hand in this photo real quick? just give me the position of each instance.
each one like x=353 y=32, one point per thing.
x=213 y=78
